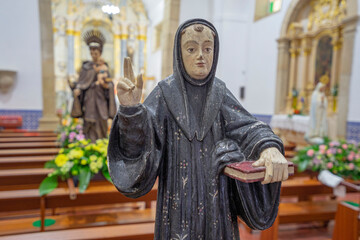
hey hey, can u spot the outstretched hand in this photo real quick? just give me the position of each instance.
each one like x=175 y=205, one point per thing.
x=129 y=88
x=275 y=163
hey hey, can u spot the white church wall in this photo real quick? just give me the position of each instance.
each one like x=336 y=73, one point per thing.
x=262 y=61
x=20 y=51
x=195 y=9
x=354 y=98
x=231 y=19
x=155 y=11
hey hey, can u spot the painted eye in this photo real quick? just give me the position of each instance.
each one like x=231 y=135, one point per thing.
x=208 y=50
x=190 y=50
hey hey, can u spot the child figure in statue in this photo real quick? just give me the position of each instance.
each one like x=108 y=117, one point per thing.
x=94 y=98
x=187 y=130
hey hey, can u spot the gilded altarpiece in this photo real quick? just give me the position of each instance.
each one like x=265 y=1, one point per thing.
x=310 y=50
x=125 y=34
x=315 y=40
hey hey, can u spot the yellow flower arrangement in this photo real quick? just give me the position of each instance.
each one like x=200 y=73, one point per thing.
x=61 y=159
x=81 y=159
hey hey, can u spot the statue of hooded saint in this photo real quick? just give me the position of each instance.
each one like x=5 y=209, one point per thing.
x=186 y=131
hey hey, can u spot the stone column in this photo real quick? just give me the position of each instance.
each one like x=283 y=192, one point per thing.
x=142 y=41
x=345 y=73
x=77 y=51
x=71 y=53
x=170 y=25
x=123 y=37
x=311 y=74
x=306 y=48
x=282 y=75
x=294 y=52
x=49 y=120
x=117 y=55
x=334 y=80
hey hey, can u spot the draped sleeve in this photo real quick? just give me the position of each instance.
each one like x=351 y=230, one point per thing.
x=136 y=144
x=255 y=203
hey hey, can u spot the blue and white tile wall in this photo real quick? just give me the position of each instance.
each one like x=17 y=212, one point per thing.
x=353 y=131
x=30 y=117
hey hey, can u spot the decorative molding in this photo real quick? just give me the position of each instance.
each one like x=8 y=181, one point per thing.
x=7 y=80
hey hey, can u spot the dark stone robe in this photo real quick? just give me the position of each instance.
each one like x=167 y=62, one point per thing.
x=95 y=103
x=157 y=140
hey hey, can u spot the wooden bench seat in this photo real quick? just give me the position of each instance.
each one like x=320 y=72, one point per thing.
x=109 y=195
x=25 y=162
x=142 y=231
x=304 y=189
x=27 y=134
x=98 y=193
x=27 y=139
x=25 y=131
x=19 y=200
x=307 y=211
x=23 y=176
x=71 y=221
x=26 y=145
x=300 y=212
x=29 y=152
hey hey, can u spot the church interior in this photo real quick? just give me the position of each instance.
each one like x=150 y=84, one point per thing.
x=294 y=65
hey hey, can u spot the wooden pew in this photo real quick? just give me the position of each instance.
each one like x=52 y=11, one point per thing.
x=11 y=177
x=347 y=222
x=304 y=210
x=300 y=212
x=65 y=219
x=25 y=162
x=27 y=134
x=98 y=193
x=27 y=145
x=24 y=131
x=143 y=231
x=29 y=152
x=27 y=139
x=304 y=189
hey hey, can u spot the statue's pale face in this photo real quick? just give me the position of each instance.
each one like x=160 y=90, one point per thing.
x=197 y=50
x=95 y=54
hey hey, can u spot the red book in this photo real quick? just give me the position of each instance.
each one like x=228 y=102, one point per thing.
x=245 y=172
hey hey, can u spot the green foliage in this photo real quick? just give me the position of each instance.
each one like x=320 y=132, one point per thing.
x=80 y=158
x=48 y=185
x=84 y=178
x=340 y=157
